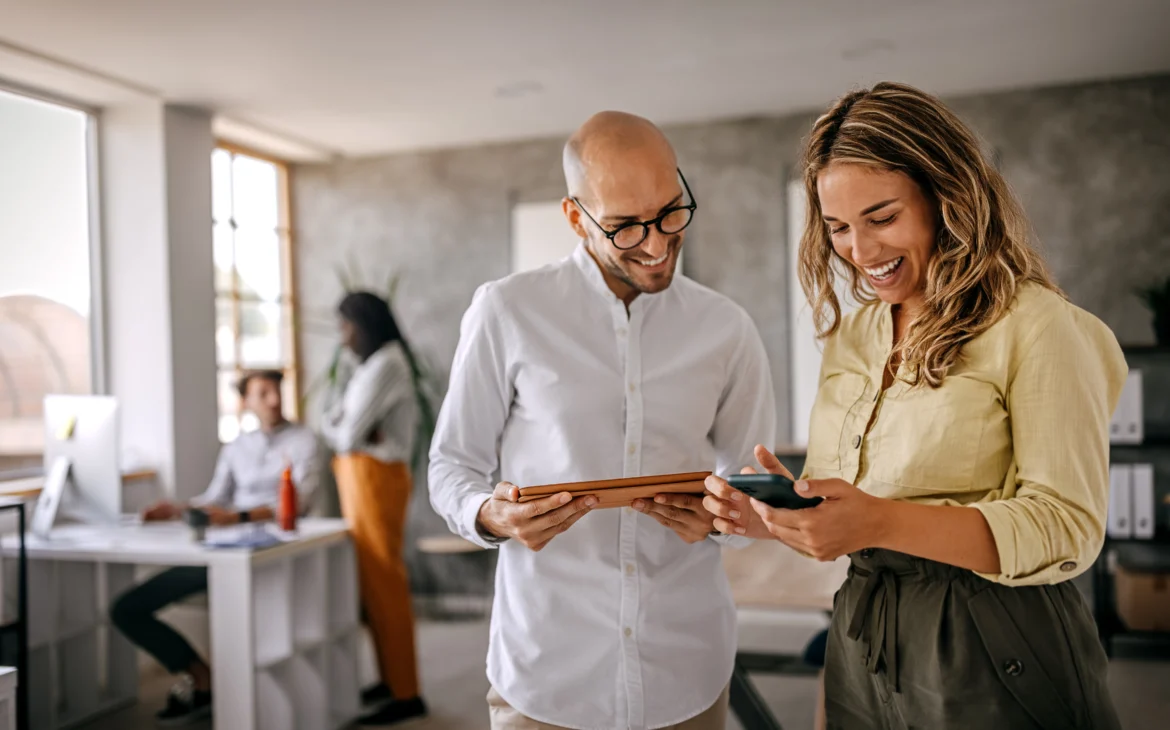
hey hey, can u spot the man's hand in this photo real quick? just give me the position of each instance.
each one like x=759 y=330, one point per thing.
x=162 y=512
x=734 y=514
x=532 y=524
x=683 y=513
x=219 y=516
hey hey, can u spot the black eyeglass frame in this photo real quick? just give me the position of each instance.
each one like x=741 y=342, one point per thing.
x=655 y=222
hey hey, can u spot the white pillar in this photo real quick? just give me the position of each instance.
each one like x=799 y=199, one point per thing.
x=155 y=163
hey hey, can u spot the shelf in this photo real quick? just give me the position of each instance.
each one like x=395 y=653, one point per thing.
x=272 y=613
x=304 y=679
x=1145 y=349
x=343 y=588
x=310 y=623
x=1153 y=442
x=342 y=662
x=274 y=709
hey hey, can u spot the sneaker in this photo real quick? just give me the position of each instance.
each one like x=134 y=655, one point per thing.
x=394 y=712
x=376 y=694
x=185 y=705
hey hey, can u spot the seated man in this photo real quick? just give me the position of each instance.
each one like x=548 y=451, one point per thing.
x=245 y=488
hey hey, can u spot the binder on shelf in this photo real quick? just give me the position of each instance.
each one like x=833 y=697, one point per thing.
x=1144 y=510
x=1120 y=522
x=1126 y=427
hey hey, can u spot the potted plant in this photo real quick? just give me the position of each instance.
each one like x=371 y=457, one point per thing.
x=422 y=375
x=1157 y=300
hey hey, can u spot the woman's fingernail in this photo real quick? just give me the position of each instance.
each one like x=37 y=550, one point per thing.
x=565 y=498
x=802 y=486
x=660 y=499
x=590 y=501
x=740 y=531
x=735 y=514
x=736 y=496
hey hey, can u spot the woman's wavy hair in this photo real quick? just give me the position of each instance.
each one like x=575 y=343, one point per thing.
x=983 y=250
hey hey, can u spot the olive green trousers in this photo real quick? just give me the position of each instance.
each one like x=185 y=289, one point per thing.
x=919 y=644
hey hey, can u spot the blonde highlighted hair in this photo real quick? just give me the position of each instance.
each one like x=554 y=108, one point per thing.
x=983 y=251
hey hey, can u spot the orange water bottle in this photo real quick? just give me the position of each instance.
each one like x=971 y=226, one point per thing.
x=288 y=502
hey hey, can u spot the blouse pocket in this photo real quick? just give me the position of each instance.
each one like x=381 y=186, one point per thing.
x=835 y=399
x=930 y=439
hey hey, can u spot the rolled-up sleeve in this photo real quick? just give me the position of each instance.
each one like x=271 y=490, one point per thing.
x=1060 y=400
x=464 y=452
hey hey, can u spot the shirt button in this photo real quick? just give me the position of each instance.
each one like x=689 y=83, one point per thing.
x=867 y=553
x=633 y=449
x=856 y=441
x=622 y=332
x=633 y=387
x=1013 y=667
x=1068 y=566
x=629 y=568
x=628 y=632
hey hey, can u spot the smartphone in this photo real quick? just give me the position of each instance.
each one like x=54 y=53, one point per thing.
x=774 y=490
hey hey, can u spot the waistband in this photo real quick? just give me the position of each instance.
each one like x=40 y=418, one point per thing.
x=875 y=615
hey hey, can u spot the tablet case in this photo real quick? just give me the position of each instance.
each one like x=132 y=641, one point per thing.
x=622 y=492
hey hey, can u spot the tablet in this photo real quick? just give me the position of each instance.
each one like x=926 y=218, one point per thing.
x=622 y=492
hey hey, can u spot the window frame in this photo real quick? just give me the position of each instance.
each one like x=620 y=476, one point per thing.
x=98 y=358
x=289 y=297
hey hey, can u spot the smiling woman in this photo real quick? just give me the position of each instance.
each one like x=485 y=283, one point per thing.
x=959 y=438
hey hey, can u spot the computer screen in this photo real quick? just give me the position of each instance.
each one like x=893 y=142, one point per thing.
x=84 y=430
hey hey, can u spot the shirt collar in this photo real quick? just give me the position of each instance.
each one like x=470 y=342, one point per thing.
x=592 y=272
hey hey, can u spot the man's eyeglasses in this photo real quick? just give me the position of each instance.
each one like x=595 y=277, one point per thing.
x=630 y=235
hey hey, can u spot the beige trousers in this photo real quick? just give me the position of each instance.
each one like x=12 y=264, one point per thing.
x=505 y=717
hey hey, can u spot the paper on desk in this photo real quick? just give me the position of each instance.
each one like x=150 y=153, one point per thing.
x=253 y=538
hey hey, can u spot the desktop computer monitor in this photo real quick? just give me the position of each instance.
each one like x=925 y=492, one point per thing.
x=83 y=478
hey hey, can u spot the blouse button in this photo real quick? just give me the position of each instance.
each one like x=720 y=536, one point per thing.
x=1068 y=566
x=1013 y=667
x=856 y=441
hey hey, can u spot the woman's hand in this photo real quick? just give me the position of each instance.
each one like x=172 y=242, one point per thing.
x=846 y=521
x=733 y=513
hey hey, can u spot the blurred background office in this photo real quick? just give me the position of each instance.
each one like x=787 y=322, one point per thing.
x=187 y=191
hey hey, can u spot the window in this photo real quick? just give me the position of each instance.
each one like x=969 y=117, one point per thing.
x=46 y=338
x=253 y=293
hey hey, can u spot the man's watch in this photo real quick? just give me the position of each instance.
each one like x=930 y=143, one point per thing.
x=243 y=516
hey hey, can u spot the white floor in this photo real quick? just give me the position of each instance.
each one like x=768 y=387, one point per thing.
x=452 y=658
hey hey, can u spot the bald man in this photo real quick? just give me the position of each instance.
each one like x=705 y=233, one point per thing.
x=607 y=364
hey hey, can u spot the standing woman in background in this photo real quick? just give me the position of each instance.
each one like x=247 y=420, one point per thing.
x=960 y=436
x=372 y=428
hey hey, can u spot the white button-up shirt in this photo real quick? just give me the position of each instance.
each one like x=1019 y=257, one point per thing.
x=249 y=470
x=617 y=623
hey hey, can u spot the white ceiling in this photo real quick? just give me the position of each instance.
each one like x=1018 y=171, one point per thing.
x=361 y=77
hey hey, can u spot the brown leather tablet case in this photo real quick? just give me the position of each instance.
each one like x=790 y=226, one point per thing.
x=621 y=492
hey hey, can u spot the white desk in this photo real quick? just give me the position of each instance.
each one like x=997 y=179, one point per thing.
x=7 y=698
x=284 y=624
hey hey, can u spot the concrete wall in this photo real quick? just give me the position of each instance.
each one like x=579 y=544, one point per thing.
x=1091 y=163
